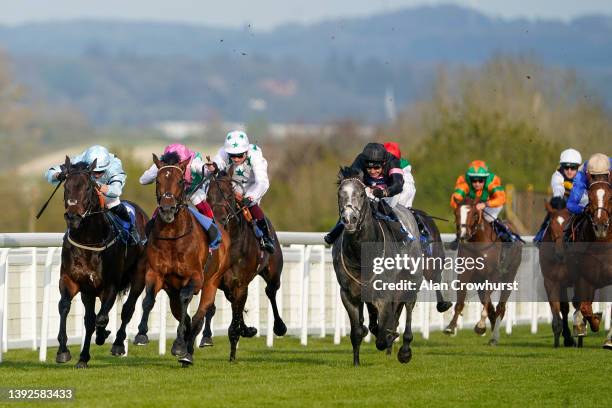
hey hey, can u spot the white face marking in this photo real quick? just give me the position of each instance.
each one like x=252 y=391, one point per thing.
x=71 y=202
x=560 y=220
x=463 y=212
x=167 y=173
x=600 y=198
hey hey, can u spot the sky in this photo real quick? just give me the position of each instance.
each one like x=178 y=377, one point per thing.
x=266 y=14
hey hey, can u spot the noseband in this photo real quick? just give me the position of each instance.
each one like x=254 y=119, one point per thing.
x=180 y=202
x=360 y=211
x=226 y=204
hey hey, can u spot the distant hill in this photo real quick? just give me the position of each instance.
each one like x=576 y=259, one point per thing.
x=138 y=72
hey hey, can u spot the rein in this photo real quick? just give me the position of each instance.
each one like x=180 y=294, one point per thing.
x=231 y=213
x=180 y=205
x=346 y=270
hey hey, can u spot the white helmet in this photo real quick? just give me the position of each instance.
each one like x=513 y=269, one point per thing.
x=236 y=142
x=570 y=156
x=99 y=153
x=599 y=163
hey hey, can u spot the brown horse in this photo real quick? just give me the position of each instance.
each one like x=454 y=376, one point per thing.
x=95 y=262
x=591 y=255
x=241 y=260
x=554 y=270
x=477 y=238
x=177 y=255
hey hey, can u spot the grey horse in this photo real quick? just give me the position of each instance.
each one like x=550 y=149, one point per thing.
x=365 y=235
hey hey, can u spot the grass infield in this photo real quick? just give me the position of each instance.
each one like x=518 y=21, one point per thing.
x=524 y=370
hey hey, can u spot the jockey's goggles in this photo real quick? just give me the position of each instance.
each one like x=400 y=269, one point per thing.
x=477 y=179
x=375 y=166
x=236 y=155
x=569 y=166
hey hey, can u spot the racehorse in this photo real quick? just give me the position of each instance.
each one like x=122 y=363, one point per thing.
x=96 y=261
x=477 y=238
x=591 y=253
x=554 y=270
x=360 y=227
x=177 y=255
x=240 y=261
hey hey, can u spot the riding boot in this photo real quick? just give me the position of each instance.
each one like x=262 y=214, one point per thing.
x=268 y=242
x=424 y=235
x=540 y=235
x=503 y=232
x=334 y=233
x=214 y=236
x=120 y=211
x=454 y=245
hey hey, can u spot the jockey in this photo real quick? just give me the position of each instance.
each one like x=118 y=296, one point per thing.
x=109 y=176
x=561 y=182
x=250 y=178
x=598 y=163
x=382 y=174
x=406 y=197
x=176 y=153
x=479 y=183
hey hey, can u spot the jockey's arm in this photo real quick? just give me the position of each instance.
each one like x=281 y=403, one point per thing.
x=116 y=179
x=220 y=159
x=260 y=171
x=50 y=174
x=497 y=195
x=557 y=184
x=397 y=182
x=578 y=189
x=197 y=165
x=461 y=190
x=149 y=175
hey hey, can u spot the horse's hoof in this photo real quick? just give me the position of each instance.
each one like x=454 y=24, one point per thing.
x=178 y=350
x=206 y=342
x=186 y=360
x=492 y=342
x=280 y=329
x=81 y=364
x=569 y=342
x=480 y=330
x=608 y=344
x=442 y=307
x=101 y=321
x=404 y=356
x=580 y=342
x=64 y=357
x=118 y=350
x=102 y=336
x=141 y=340
x=450 y=331
x=248 y=332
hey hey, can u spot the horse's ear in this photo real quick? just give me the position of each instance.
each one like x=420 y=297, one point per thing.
x=67 y=163
x=230 y=171
x=183 y=164
x=93 y=165
x=156 y=161
x=548 y=207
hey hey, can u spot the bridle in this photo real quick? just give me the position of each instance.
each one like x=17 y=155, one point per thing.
x=590 y=212
x=360 y=211
x=478 y=226
x=180 y=202
x=92 y=186
x=232 y=211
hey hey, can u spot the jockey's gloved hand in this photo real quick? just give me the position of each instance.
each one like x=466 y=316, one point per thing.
x=380 y=192
x=61 y=176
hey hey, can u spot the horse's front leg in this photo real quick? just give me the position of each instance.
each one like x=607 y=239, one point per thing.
x=68 y=290
x=488 y=311
x=405 y=353
x=356 y=317
x=239 y=296
x=127 y=311
x=153 y=284
x=108 y=300
x=89 y=301
x=179 y=347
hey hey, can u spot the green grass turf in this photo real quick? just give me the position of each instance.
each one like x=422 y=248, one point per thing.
x=524 y=370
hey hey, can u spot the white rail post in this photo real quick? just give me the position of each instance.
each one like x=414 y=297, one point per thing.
x=3 y=299
x=305 y=255
x=510 y=311
x=270 y=327
x=44 y=324
x=257 y=304
x=607 y=315
x=338 y=315
x=425 y=328
x=33 y=300
x=161 y=295
x=322 y=288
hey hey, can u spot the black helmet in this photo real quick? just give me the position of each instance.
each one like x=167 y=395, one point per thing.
x=374 y=153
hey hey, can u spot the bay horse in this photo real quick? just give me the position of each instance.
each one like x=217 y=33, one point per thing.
x=240 y=261
x=557 y=278
x=591 y=253
x=361 y=228
x=177 y=255
x=477 y=238
x=95 y=262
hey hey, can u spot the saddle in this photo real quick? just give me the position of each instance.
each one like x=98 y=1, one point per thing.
x=126 y=231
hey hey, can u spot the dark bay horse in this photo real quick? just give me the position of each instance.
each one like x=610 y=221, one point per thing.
x=95 y=262
x=557 y=278
x=240 y=261
x=177 y=255
x=477 y=238
x=360 y=228
x=591 y=254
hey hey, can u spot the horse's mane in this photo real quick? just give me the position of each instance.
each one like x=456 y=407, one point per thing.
x=349 y=172
x=79 y=166
x=171 y=158
x=558 y=203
